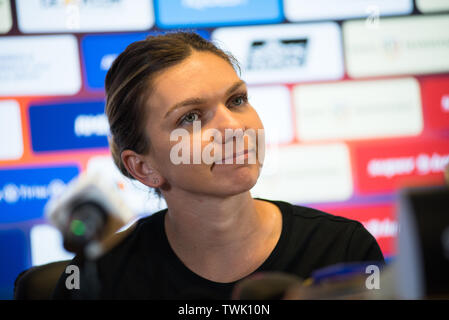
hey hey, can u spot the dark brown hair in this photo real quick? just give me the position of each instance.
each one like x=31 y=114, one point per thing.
x=128 y=86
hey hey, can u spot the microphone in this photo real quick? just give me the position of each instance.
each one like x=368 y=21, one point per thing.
x=89 y=213
x=337 y=282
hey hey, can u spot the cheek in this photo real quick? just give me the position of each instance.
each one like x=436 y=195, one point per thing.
x=252 y=120
x=160 y=155
x=257 y=123
x=170 y=158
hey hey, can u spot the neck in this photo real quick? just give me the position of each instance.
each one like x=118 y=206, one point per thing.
x=208 y=223
x=222 y=239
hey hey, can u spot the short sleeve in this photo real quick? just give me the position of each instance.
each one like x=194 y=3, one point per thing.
x=363 y=247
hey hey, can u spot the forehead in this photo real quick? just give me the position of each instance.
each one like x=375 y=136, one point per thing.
x=202 y=75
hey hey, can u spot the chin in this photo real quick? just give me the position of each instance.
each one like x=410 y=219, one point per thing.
x=242 y=180
x=224 y=181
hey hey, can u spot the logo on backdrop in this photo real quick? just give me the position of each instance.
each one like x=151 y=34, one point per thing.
x=79 y=125
x=277 y=54
x=11 y=193
x=24 y=192
x=284 y=53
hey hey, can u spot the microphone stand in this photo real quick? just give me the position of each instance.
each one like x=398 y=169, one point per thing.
x=89 y=214
x=87 y=223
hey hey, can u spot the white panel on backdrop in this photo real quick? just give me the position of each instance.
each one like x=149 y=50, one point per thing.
x=37 y=16
x=11 y=143
x=5 y=16
x=432 y=5
x=358 y=109
x=406 y=45
x=285 y=53
x=273 y=106
x=306 y=173
x=47 y=245
x=39 y=65
x=303 y=10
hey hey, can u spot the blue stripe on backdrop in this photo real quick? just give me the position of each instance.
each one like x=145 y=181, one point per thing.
x=201 y=13
x=66 y=126
x=24 y=192
x=14 y=258
x=100 y=50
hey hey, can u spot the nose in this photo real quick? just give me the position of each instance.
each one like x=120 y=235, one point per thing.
x=226 y=120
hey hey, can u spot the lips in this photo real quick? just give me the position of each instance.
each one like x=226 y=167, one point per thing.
x=235 y=155
x=242 y=155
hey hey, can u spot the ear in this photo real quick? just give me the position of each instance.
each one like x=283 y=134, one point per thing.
x=141 y=170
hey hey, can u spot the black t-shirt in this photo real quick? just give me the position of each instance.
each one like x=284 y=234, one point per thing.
x=144 y=266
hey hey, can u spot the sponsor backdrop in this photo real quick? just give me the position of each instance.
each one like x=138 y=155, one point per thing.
x=354 y=96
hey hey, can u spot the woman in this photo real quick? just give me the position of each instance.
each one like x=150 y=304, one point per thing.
x=213 y=233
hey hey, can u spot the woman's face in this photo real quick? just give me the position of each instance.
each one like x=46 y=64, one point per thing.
x=204 y=88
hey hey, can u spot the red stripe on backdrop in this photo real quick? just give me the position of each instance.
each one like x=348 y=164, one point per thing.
x=435 y=99
x=388 y=166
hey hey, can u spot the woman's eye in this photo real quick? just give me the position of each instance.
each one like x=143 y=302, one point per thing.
x=190 y=118
x=238 y=101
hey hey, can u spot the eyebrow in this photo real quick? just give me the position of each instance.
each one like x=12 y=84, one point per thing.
x=198 y=101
